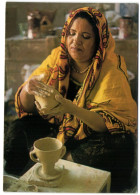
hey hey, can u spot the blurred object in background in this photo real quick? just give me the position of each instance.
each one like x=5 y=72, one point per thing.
x=112 y=18
x=45 y=26
x=8 y=94
x=115 y=32
x=23 y=27
x=129 y=19
x=123 y=20
x=33 y=19
x=126 y=27
x=26 y=71
x=128 y=9
x=113 y=21
x=131 y=75
x=40 y=23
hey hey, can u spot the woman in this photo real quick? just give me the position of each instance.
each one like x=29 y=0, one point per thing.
x=95 y=114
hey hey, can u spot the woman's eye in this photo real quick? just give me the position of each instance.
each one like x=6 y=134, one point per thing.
x=71 y=33
x=86 y=36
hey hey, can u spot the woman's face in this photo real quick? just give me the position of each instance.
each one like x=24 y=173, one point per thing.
x=80 y=41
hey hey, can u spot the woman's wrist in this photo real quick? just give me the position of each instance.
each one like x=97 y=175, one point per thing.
x=74 y=109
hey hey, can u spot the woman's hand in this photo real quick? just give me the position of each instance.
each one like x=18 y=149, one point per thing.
x=64 y=106
x=35 y=87
x=55 y=103
x=42 y=111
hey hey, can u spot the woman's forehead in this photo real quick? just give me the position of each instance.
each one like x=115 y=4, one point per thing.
x=81 y=24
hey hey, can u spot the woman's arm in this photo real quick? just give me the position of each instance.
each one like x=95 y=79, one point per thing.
x=27 y=100
x=90 y=118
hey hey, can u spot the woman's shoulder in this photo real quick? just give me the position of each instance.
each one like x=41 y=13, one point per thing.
x=54 y=55
x=56 y=52
x=52 y=58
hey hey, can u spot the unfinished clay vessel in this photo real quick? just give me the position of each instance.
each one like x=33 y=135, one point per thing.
x=48 y=151
x=47 y=102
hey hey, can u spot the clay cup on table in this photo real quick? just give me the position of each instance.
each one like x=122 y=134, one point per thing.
x=48 y=151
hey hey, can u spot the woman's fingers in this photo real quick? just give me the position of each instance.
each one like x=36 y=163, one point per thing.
x=41 y=93
x=60 y=99
x=57 y=110
x=38 y=88
x=45 y=87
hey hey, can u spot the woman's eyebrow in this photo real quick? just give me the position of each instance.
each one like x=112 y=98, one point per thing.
x=72 y=29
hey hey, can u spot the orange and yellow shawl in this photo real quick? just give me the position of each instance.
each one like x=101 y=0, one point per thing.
x=105 y=89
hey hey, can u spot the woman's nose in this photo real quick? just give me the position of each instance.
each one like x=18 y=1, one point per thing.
x=77 y=40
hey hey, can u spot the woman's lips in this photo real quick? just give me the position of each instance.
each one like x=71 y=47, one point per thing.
x=75 y=49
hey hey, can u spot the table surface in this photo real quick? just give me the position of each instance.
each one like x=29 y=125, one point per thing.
x=76 y=178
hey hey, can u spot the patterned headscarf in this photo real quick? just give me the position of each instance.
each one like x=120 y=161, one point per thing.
x=102 y=26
